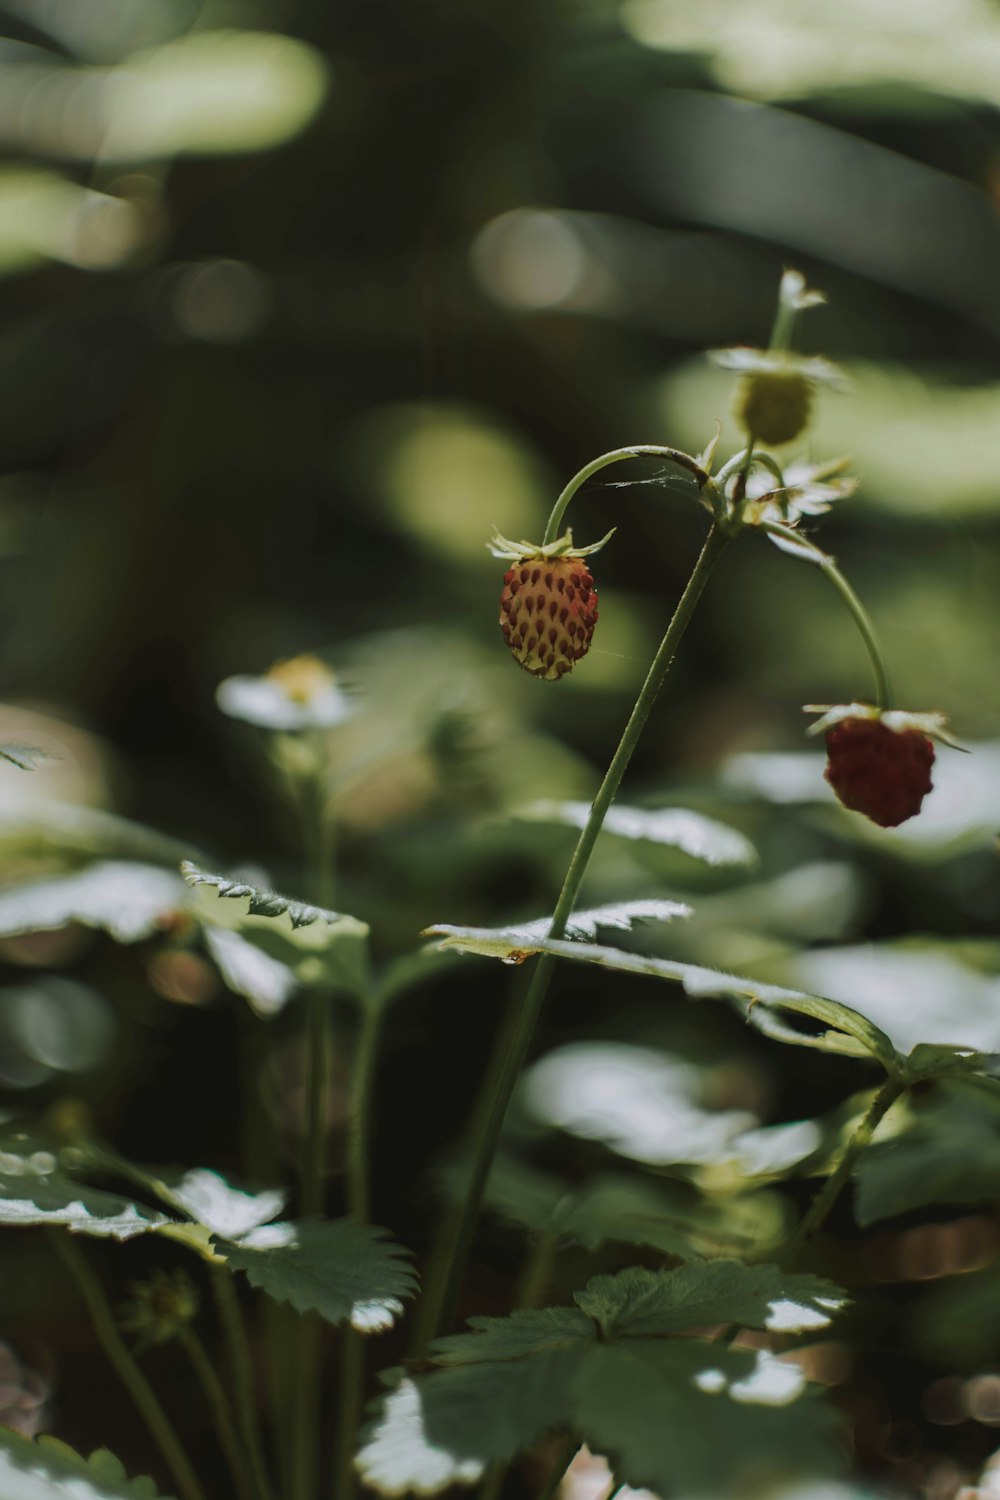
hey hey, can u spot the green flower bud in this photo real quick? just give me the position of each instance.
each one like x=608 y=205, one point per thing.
x=159 y=1308
x=773 y=405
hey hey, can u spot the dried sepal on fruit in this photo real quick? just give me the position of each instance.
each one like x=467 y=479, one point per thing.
x=879 y=760
x=548 y=604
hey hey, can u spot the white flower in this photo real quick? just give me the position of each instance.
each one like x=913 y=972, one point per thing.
x=298 y=694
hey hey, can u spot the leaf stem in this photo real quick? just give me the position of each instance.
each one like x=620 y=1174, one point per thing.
x=816 y=1213
x=241 y=1375
x=883 y=693
x=451 y=1252
x=139 y=1388
x=221 y=1411
x=674 y=455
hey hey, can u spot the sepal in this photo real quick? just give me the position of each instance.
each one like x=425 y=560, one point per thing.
x=900 y=721
x=563 y=546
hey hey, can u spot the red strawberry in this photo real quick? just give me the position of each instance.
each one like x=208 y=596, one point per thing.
x=548 y=607
x=548 y=610
x=882 y=772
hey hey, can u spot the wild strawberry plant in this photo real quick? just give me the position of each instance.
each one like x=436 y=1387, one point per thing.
x=669 y=1307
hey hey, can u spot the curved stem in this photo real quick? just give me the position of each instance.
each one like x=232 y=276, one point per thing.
x=448 y=1261
x=139 y=1388
x=221 y=1411
x=828 y=1194
x=747 y=458
x=241 y=1374
x=883 y=694
x=675 y=456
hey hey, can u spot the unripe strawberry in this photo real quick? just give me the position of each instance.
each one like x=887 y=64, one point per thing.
x=548 y=606
x=548 y=610
x=773 y=405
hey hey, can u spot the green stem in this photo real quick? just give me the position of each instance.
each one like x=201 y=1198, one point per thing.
x=349 y=1407
x=674 y=455
x=783 y=327
x=492 y=1486
x=816 y=1213
x=448 y=1262
x=221 y=1411
x=139 y=1388
x=307 y=1356
x=241 y=1375
x=352 y=1349
x=557 y=1473
x=360 y=1118
x=536 y=1273
x=317 y=1071
x=749 y=458
x=883 y=693
x=741 y=483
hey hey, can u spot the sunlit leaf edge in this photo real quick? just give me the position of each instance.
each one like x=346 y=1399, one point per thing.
x=851 y=1033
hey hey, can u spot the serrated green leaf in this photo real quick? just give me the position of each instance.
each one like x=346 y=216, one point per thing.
x=693 y=833
x=615 y=1208
x=682 y=1417
x=519 y=940
x=525 y=1331
x=848 y=1032
x=341 y=1269
x=324 y=949
x=640 y=1303
x=47 y=1469
x=946 y=1150
x=35 y=1190
x=128 y=901
x=448 y=1428
x=689 y=1416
